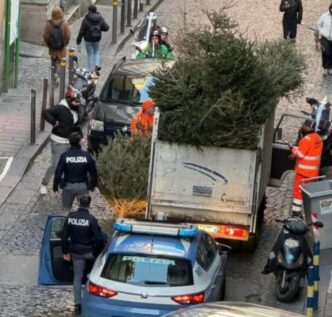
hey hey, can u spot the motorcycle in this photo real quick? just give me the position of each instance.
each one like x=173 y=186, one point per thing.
x=142 y=36
x=84 y=84
x=321 y=115
x=290 y=257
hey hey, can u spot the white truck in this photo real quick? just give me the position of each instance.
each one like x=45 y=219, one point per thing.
x=220 y=189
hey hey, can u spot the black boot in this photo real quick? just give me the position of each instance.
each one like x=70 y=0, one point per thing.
x=78 y=309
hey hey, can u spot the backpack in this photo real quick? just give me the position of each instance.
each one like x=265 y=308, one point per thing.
x=95 y=31
x=56 y=39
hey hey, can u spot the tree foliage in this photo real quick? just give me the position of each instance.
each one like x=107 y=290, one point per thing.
x=123 y=167
x=223 y=87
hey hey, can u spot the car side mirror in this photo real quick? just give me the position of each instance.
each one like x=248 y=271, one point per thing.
x=223 y=248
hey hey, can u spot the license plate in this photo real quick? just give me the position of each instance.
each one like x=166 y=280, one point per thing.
x=208 y=228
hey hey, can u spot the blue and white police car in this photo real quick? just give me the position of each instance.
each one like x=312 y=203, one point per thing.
x=153 y=268
x=147 y=269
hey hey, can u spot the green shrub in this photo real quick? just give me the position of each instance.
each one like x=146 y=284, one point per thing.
x=123 y=167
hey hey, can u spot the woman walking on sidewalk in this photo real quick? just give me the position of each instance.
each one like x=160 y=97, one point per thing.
x=92 y=26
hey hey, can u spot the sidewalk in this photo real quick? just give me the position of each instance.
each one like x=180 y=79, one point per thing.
x=325 y=288
x=16 y=152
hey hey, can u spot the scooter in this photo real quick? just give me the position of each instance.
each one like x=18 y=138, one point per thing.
x=84 y=83
x=142 y=36
x=290 y=258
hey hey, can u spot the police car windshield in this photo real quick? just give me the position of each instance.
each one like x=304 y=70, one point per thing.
x=126 y=90
x=148 y=270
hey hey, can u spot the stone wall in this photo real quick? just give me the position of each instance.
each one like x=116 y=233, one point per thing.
x=35 y=13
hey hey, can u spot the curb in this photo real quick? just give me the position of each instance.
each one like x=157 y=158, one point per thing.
x=23 y=159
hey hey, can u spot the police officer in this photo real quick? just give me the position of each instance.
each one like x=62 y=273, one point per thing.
x=79 y=172
x=85 y=233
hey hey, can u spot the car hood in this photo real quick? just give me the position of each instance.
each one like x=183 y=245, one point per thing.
x=120 y=113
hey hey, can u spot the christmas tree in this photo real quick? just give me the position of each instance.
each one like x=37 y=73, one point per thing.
x=223 y=87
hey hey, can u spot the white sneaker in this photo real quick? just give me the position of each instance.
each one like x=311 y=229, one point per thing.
x=43 y=190
x=325 y=71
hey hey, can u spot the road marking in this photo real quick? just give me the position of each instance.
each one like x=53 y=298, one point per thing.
x=330 y=286
x=5 y=170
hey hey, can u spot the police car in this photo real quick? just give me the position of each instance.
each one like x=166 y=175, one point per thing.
x=152 y=268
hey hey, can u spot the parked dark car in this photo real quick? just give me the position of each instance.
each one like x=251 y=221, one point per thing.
x=120 y=99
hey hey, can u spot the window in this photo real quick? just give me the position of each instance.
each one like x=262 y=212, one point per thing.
x=148 y=270
x=126 y=89
x=56 y=229
x=206 y=252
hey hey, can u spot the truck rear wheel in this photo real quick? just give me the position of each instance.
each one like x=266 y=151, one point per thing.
x=261 y=210
x=250 y=245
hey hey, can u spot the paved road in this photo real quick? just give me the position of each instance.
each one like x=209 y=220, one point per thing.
x=23 y=216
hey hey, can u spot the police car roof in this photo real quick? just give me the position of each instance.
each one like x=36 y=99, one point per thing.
x=154 y=245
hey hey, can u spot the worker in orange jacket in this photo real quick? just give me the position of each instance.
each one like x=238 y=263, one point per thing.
x=308 y=156
x=142 y=123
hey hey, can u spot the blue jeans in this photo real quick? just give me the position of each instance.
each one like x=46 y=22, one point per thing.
x=92 y=50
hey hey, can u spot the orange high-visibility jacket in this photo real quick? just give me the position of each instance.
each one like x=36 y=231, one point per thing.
x=308 y=155
x=142 y=123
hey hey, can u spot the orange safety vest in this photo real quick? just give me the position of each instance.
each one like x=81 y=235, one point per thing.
x=308 y=155
x=142 y=123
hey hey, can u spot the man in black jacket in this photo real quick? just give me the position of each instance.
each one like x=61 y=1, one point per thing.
x=64 y=119
x=293 y=11
x=84 y=232
x=75 y=173
x=92 y=26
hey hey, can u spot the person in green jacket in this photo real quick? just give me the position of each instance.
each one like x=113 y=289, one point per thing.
x=155 y=49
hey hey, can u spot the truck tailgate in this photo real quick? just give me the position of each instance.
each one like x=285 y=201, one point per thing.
x=206 y=184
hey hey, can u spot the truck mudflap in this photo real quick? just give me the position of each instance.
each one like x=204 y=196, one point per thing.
x=230 y=232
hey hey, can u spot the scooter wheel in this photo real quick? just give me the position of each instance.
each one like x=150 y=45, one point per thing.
x=289 y=291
